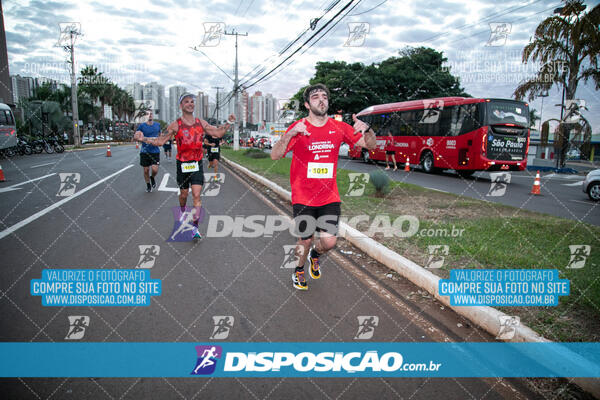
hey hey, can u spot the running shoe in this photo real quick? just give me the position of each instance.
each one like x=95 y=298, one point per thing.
x=148 y=188
x=315 y=268
x=153 y=182
x=299 y=281
x=197 y=235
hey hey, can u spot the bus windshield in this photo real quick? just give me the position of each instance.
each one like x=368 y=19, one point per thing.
x=501 y=112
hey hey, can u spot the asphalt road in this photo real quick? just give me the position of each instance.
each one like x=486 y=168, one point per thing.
x=103 y=223
x=561 y=195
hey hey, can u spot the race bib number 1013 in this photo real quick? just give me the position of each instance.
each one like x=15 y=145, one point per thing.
x=320 y=170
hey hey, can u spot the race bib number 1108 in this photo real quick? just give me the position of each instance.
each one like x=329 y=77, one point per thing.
x=320 y=170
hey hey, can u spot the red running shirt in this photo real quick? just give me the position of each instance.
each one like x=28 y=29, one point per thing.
x=189 y=141
x=314 y=162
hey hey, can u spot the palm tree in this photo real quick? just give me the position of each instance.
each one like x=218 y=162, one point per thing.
x=533 y=118
x=567 y=47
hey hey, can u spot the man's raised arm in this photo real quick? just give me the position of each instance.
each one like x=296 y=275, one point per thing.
x=278 y=150
x=160 y=140
x=368 y=139
x=218 y=132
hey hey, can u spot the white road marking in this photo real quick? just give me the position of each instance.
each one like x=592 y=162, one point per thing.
x=585 y=202
x=572 y=184
x=14 y=187
x=42 y=165
x=163 y=185
x=46 y=210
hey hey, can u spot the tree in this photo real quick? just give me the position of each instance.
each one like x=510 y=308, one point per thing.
x=163 y=124
x=567 y=47
x=533 y=117
x=418 y=73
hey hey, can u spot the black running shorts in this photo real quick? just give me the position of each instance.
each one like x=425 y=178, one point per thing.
x=185 y=179
x=308 y=219
x=148 y=159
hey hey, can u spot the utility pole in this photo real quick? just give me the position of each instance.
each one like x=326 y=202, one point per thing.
x=236 y=91
x=70 y=32
x=218 y=88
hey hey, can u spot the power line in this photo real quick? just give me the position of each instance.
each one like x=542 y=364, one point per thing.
x=511 y=22
x=306 y=42
x=369 y=10
x=494 y=15
x=272 y=58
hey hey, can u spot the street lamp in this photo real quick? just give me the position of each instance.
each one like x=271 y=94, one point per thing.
x=560 y=154
x=542 y=95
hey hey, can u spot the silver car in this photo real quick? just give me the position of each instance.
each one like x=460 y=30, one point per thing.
x=591 y=184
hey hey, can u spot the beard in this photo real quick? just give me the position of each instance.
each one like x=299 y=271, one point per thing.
x=316 y=111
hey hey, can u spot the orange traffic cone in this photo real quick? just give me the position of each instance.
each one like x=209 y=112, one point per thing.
x=2 y=179
x=108 y=151
x=536 y=184
x=137 y=145
x=407 y=165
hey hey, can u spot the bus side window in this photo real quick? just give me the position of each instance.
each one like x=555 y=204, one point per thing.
x=375 y=123
x=427 y=124
x=470 y=118
x=385 y=125
x=396 y=126
x=445 y=121
x=408 y=119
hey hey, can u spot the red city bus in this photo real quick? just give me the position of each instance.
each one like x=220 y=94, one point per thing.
x=459 y=133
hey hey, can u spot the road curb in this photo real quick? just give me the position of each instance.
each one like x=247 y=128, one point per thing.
x=96 y=146
x=487 y=318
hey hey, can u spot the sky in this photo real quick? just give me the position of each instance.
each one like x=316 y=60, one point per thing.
x=154 y=40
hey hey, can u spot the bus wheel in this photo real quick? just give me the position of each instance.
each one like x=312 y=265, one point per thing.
x=427 y=162
x=465 y=173
x=366 y=158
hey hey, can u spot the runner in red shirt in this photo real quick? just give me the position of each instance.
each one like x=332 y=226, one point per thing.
x=188 y=133
x=315 y=142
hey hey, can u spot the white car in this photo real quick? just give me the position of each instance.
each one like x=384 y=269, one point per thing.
x=574 y=154
x=344 y=149
x=591 y=184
